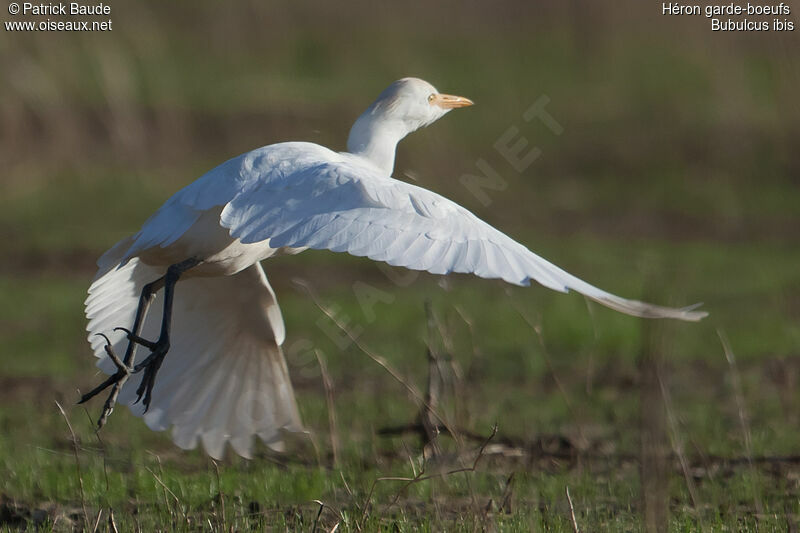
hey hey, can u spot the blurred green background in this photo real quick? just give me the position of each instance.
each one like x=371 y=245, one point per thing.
x=676 y=178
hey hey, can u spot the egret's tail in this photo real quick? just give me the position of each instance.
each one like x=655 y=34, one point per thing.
x=224 y=378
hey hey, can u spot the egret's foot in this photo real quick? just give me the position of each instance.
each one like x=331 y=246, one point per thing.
x=116 y=381
x=150 y=366
x=150 y=345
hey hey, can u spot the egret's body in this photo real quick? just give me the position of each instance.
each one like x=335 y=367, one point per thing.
x=224 y=378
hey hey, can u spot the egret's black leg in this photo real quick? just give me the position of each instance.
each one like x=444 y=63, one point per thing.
x=124 y=367
x=160 y=347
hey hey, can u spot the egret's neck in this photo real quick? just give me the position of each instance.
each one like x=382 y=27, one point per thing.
x=375 y=138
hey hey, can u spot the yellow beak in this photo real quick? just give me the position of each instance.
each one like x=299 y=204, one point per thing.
x=448 y=101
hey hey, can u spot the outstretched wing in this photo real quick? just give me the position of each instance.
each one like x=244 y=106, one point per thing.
x=323 y=200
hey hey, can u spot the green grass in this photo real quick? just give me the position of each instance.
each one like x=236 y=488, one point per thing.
x=507 y=380
x=675 y=180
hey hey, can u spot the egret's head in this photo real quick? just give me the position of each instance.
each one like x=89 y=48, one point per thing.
x=414 y=102
x=403 y=107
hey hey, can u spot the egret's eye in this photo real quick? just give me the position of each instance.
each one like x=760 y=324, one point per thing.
x=431 y=97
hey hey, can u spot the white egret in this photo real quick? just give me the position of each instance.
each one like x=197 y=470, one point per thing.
x=221 y=373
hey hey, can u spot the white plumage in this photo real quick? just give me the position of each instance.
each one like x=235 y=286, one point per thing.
x=224 y=378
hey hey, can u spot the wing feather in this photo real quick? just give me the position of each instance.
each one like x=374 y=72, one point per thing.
x=338 y=202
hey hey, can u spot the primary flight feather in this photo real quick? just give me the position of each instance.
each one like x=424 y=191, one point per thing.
x=221 y=375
